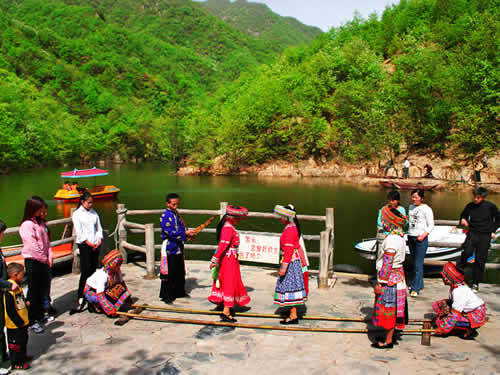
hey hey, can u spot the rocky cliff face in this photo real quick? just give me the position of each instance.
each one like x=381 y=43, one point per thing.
x=451 y=171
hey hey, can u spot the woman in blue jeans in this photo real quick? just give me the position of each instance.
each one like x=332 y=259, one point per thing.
x=421 y=223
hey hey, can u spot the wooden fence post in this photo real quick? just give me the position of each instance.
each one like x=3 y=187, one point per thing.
x=122 y=231
x=323 y=260
x=149 y=235
x=330 y=227
x=76 y=258
x=223 y=206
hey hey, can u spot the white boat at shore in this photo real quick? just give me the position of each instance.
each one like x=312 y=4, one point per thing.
x=441 y=234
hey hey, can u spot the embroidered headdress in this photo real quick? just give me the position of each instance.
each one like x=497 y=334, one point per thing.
x=236 y=211
x=392 y=217
x=282 y=212
x=453 y=274
x=113 y=257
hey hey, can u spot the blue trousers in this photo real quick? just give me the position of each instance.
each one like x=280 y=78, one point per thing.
x=417 y=251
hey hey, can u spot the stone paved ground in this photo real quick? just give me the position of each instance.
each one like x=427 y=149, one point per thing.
x=91 y=344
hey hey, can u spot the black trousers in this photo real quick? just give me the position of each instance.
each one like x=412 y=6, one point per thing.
x=172 y=285
x=480 y=243
x=38 y=274
x=18 y=343
x=88 y=265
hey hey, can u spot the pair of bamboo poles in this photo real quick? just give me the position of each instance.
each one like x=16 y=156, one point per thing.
x=139 y=308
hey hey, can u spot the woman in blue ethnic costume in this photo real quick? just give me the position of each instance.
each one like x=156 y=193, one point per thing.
x=391 y=308
x=463 y=312
x=172 y=267
x=106 y=290
x=291 y=288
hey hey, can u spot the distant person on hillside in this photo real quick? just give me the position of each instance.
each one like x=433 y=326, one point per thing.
x=428 y=171
x=388 y=166
x=482 y=218
x=406 y=168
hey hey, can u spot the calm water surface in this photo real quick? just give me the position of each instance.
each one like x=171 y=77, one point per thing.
x=144 y=186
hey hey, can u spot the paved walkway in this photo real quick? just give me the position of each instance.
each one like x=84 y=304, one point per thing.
x=91 y=344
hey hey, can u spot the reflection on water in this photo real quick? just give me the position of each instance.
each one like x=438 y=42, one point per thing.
x=144 y=186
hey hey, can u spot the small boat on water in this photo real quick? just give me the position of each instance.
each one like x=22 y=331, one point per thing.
x=98 y=191
x=406 y=186
x=442 y=233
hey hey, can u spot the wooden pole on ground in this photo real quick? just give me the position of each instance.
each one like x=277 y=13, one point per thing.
x=256 y=326
x=149 y=235
x=122 y=230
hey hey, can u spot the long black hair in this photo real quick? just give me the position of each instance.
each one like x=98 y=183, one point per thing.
x=295 y=220
x=85 y=196
x=3 y=226
x=32 y=205
x=219 y=227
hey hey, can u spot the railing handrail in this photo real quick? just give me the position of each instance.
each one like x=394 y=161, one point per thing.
x=67 y=220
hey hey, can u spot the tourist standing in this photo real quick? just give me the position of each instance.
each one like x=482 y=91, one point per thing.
x=5 y=286
x=406 y=168
x=421 y=223
x=36 y=245
x=482 y=219
x=393 y=201
x=89 y=236
x=291 y=290
x=172 y=266
x=231 y=290
x=391 y=309
x=463 y=312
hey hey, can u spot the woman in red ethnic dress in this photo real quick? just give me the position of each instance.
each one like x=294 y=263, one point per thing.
x=291 y=286
x=231 y=291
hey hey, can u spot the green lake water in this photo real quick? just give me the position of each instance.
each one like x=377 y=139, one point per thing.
x=144 y=186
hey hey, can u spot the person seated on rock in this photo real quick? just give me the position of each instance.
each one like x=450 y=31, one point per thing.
x=463 y=312
x=106 y=291
x=428 y=171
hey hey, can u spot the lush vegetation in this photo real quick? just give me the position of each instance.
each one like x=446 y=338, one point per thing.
x=424 y=77
x=258 y=20
x=163 y=79
x=85 y=79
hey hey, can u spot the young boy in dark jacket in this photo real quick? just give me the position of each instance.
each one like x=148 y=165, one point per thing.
x=16 y=319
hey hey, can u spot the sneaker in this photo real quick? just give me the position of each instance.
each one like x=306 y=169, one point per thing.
x=37 y=328
x=47 y=318
x=4 y=371
x=413 y=293
x=475 y=288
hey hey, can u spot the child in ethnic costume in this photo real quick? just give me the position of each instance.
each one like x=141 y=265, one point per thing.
x=291 y=286
x=463 y=312
x=231 y=291
x=106 y=290
x=172 y=266
x=16 y=319
x=391 y=309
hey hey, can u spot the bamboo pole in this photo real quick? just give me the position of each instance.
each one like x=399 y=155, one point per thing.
x=256 y=326
x=257 y=315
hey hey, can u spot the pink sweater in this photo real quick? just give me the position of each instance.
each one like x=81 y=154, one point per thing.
x=36 y=243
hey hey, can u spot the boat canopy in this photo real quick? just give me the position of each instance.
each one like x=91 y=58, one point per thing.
x=81 y=173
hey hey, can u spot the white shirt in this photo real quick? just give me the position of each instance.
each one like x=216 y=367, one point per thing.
x=87 y=225
x=393 y=244
x=406 y=164
x=98 y=280
x=465 y=300
x=420 y=219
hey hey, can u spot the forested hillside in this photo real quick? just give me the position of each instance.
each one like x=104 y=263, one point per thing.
x=83 y=79
x=424 y=77
x=259 y=21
